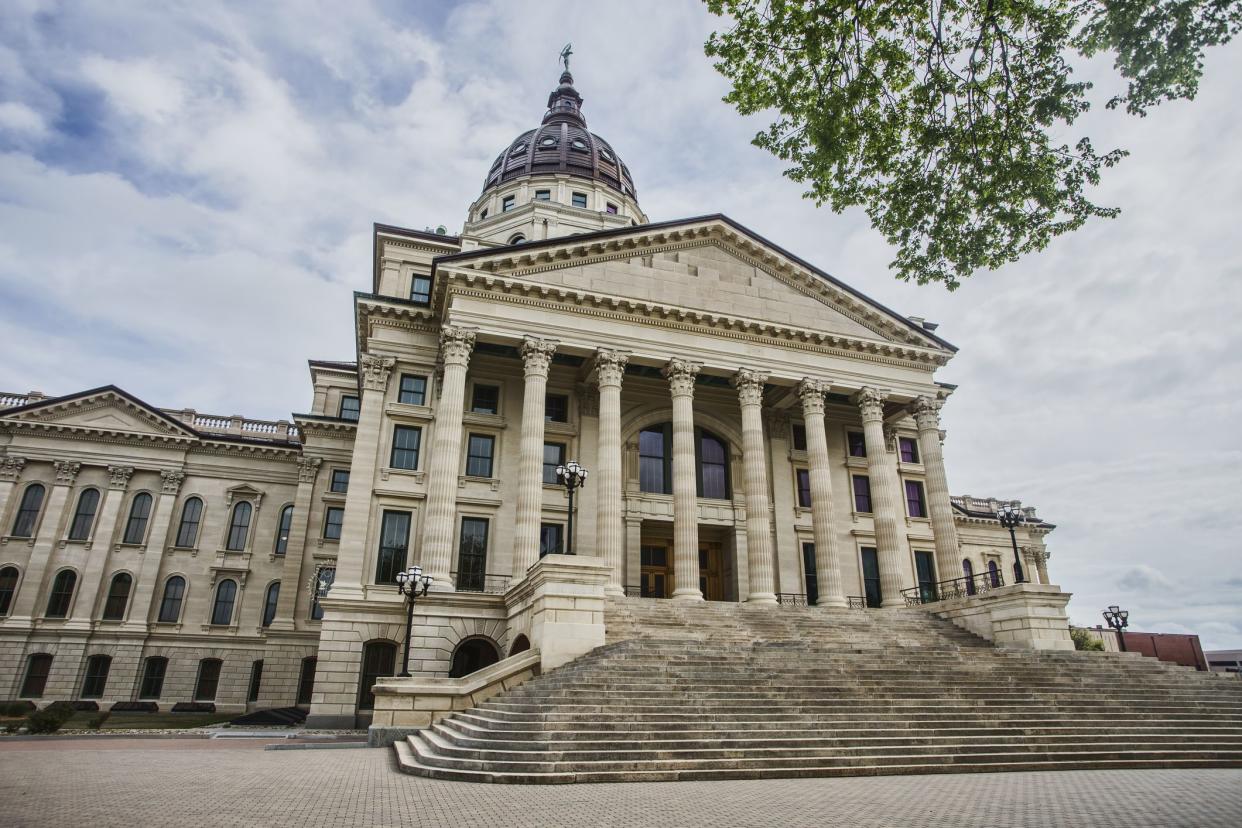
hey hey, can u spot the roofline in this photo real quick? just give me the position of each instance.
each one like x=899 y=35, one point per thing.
x=101 y=389
x=721 y=217
x=337 y=365
x=394 y=230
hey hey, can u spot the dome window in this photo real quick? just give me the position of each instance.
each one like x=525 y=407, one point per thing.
x=543 y=195
x=610 y=208
x=580 y=200
x=605 y=154
x=517 y=239
x=506 y=203
x=520 y=148
x=483 y=214
x=579 y=144
x=548 y=142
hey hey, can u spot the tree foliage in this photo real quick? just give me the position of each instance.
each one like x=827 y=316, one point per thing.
x=945 y=119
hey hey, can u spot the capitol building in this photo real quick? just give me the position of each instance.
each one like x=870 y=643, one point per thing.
x=755 y=431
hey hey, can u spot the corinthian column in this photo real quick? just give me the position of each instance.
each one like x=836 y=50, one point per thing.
x=883 y=495
x=948 y=550
x=31 y=592
x=749 y=385
x=827 y=570
x=10 y=470
x=609 y=368
x=537 y=357
x=680 y=374
x=456 y=343
x=153 y=554
x=295 y=547
x=352 y=552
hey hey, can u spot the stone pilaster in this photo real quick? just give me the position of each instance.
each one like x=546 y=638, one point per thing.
x=681 y=374
x=749 y=385
x=536 y=359
x=884 y=498
x=609 y=370
x=351 y=552
x=10 y=472
x=948 y=550
x=827 y=566
x=33 y=586
x=161 y=517
x=295 y=549
x=456 y=344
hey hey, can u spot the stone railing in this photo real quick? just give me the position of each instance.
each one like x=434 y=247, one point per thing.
x=989 y=505
x=13 y=400
x=236 y=425
x=1022 y=615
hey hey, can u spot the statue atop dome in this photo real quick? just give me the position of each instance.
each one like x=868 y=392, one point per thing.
x=565 y=53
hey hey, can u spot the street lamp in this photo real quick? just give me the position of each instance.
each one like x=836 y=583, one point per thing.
x=571 y=476
x=413 y=584
x=1010 y=516
x=1118 y=619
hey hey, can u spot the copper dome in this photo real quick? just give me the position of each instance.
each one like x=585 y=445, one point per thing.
x=562 y=144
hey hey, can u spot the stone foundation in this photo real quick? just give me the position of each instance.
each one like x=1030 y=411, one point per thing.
x=1022 y=615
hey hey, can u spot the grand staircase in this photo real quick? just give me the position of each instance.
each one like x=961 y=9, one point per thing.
x=728 y=691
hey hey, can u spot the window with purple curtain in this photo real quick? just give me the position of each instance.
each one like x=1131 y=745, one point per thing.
x=804 y=488
x=909 y=448
x=968 y=571
x=862 y=493
x=652 y=462
x=714 y=467
x=915 y=507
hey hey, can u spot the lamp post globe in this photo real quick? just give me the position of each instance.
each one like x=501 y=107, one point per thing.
x=1118 y=619
x=412 y=584
x=1011 y=516
x=572 y=476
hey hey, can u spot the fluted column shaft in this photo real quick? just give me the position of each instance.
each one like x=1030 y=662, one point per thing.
x=437 y=550
x=827 y=567
x=609 y=533
x=944 y=530
x=537 y=358
x=10 y=470
x=32 y=586
x=161 y=517
x=680 y=375
x=883 y=496
x=749 y=386
x=295 y=550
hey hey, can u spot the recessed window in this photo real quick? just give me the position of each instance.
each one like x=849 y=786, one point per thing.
x=62 y=594
x=394 y=544
x=579 y=144
x=340 y=481
x=472 y=555
x=239 y=527
x=862 y=493
x=856 y=442
x=605 y=154
x=8 y=586
x=548 y=141
x=553 y=456
x=333 y=519
x=610 y=208
x=655 y=460
x=306 y=679
x=270 y=601
x=507 y=203
x=420 y=289
x=405 y=445
x=909 y=449
x=485 y=399
x=520 y=148
x=413 y=390
x=798 y=431
x=97 y=667
x=191 y=515
x=118 y=597
x=713 y=467
x=38 y=668
x=153 y=677
x=208 y=679
x=350 y=407
x=517 y=238
x=543 y=195
x=284 y=527
x=551 y=539
x=804 y=488
x=84 y=515
x=139 y=513
x=28 y=511
x=222 y=609
x=170 y=606
x=579 y=200
x=483 y=214
x=809 y=574
x=479 y=453
x=556 y=408
x=256 y=680
x=916 y=505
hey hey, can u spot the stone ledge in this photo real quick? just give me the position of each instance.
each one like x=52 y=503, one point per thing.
x=413 y=703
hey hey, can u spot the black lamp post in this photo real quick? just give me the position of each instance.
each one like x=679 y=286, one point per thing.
x=1011 y=516
x=413 y=584
x=1118 y=619
x=571 y=476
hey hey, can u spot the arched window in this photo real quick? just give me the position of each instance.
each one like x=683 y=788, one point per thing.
x=713 y=467
x=38 y=668
x=993 y=573
x=8 y=586
x=222 y=610
x=118 y=597
x=28 y=511
x=84 y=515
x=282 y=530
x=208 y=679
x=306 y=680
x=239 y=527
x=520 y=645
x=139 y=512
x=97 y=667
x=517 y=239
x=968 y=572
x=170 y=606
x=191 y=514
x=62 y=594
x=471 y=655
x=270 y=602
x=655 y=462
x=153 y=677
x=378 y=660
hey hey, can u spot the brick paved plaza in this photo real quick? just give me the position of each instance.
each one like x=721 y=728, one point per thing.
x=152 y=782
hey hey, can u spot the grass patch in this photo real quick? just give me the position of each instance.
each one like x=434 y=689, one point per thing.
x=149 y=721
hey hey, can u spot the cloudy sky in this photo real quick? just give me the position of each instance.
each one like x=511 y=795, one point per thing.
x=187 y=190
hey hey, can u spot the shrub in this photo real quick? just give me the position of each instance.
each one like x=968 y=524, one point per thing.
x=50 y=719
x=96 y=722
x=1084 y=640
x=16 y=708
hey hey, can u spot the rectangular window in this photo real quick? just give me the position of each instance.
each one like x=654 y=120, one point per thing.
x=506 y=203
x=333 y=518
x=420 y=289
x=915 y=504
x=809 y=572
x=862 y=493
x=405 y=443
x=350 y=408
x=483 y=214
x=909 y=448
x=551 y=539
x=208 y=679
x=543 y=195
x=256 y=680
x=553 y=456
x=610 y=209
x=654 y=461
x=556 y=408
x=340 y=481
x=871 y=576
x=153 y=678
x=579 y=200
x=394 y=543
x=413 y=390
x=306 y=680
x=857 y=443
x=485 y=399
x=799 y=437
x=472 y=555
x=925 y=570
x=96 y=680
x=479 y=455
x=804 y=488
x=38 y=668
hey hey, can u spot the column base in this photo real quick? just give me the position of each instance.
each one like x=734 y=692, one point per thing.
x=832 y=603
x=687 y=595
x=614 y=591
x=762 y=598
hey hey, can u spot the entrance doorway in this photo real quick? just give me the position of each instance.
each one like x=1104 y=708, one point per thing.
x=926 y=571
x=657 y=570
x=711 y=575
x=871 y=576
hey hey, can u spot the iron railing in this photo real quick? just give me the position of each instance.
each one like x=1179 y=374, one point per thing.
x=963 y=587
x=856 y=601
x=791 y=599
x=488 y=584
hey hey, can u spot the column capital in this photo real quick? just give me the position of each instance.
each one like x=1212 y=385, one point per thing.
x=680 y=374
x=119 y=476
x=308 y=469
x=456 y=343
x=610 y=367
x=11 y=467
x=537 y=355
x=812 y=392
x=749 y=384
x=172 y=480
x=66 y=472
x=870 y=402
x=375 y=370
x=926 y=412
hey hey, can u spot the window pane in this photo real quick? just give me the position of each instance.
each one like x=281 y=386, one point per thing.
x=97 y=668
x=579 y=199
x=256 y=681
x=543 y=195
x=857 y=444
x=38 y=667
x=222 y=611
x=239 y=528
x=413 y=390
x=405 y=445
x=118 y=597
x=394 y=543
x=84 y=517
x=350 y=408
x=810 y=574
x=804 y=488
x=153 y=678
x=472 y=555
x=553 y=456
x=270 y=603
x=507 y=203
x=283 y=529
x=333 y=519
x=420 y=289
x=914 y=499
x=208 y=679
x=799 y=437
x=191 y=513
x=862 y=493
x=306 y=680
x=379 y=660
x=556 y=408
x=551 y=539
x=8 y=586
x=485 y=399
x=28 y=512
x=909 y=449
x=62 y=594
x=479 y=455
x=170 y=607
x=651 y=461
x=713 y=468
x=340 y=481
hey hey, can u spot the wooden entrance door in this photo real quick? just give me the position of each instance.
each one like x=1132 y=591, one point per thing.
x=711 y=577
x=657 y=570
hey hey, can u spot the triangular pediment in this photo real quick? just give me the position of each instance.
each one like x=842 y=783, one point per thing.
x=107 y=409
